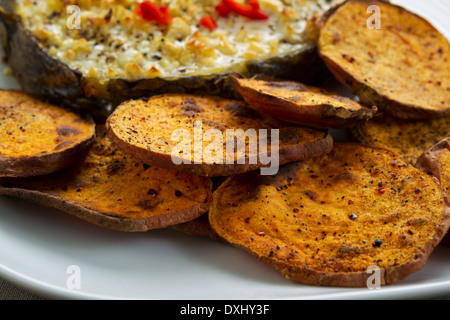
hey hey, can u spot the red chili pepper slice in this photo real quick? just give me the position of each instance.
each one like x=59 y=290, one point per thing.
x=208 y=22
x=250 y=11
x=223 y=10
x=150 y=11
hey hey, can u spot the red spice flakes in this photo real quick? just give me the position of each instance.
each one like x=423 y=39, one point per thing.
x=151 y=12
x=251 y=10
x=375 y=173
x=223 y=10
x=208 y=22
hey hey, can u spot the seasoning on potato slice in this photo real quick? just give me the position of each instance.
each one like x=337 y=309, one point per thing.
x=395 y=60
x=114 y=191
x=328 y=221
x=37 y=138
x=297 y=103
x=210 y=136
x=408 y=138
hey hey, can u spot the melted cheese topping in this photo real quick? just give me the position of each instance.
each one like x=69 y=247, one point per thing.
x=114 y=42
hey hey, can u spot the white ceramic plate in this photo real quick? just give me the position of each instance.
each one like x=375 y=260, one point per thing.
x=38 y=246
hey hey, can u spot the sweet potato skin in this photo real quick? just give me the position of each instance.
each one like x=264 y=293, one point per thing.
x=199 y=227
x=40 y=138
x=300 y=104
x=114 y=191
x=134 y=135
x=436 y=161
x=307 y=231
x=403 y=68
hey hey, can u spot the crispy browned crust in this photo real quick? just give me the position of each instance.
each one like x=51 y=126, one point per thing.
x=431 y=163
x=114 y=191
x=421 y=99
x=296 y=143
x=75 y=138
x=300 y=104
x=241 y=203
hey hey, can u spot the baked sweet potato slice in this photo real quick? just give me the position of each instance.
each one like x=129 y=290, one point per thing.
x=114 y=191
x=325 y=221
x=403 y=67
x=172 y=131
x=300 y=104
x=408 y=138
x=199 y=227
x=436 y=161
x=37 y=138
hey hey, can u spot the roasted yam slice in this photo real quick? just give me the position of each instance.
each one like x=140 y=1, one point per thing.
x=199 y=227
x=436 y=161
x=408 y=138
x=37 y=138
x=300 y=104
x=402 y=68
x=114 y=191
x=325 y=221
x=208 y=135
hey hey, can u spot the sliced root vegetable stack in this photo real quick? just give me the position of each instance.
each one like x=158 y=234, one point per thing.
x=115 y=191
x=210 y=136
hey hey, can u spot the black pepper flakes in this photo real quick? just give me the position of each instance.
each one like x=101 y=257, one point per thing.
x=377 y=243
